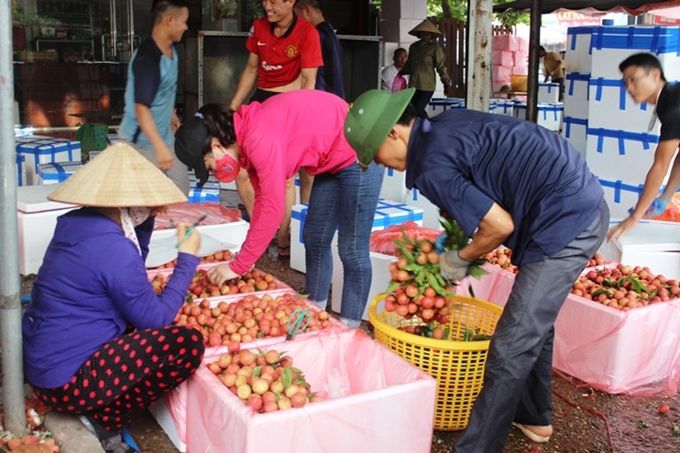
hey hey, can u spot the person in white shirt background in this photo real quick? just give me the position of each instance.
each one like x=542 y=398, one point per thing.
x=390 y=72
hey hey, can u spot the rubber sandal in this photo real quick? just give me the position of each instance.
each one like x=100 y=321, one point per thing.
x=532 y=436
x=128 y=439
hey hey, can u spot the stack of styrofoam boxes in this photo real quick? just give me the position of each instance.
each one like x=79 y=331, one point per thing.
x=37 y=150
x=548 y=115
x=210 y=191
x=548 y=93
x=504 y=107
x=431 y=217
x=37 y=218
x=54 y=173
x=439 y=105
x=619 y=147
x=394 y=185
x=508 y=56
x=387 y=213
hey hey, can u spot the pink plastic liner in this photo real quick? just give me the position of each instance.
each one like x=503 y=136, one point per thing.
x=190 y=212
x=388 y=404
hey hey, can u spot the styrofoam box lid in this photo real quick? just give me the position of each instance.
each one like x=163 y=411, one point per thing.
x=34 y=199
x=652 y=236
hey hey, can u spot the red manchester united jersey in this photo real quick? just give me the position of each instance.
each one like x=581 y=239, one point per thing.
x=282 y=58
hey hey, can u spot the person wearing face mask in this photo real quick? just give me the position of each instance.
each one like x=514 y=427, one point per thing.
x=97 y=340
x=272 y=141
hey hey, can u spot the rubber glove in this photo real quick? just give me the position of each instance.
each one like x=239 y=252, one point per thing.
x=452 y=266
x=439 y=243
x=657 y=207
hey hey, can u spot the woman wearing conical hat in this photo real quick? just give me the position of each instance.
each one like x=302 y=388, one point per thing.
x=425 y=57
x=98 y=342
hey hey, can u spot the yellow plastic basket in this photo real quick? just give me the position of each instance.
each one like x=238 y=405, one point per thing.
x=456 y=365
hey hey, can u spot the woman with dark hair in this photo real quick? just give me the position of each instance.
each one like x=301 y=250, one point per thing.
x=272 y=141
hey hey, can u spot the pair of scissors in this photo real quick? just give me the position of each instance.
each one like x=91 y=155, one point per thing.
x=298 y=321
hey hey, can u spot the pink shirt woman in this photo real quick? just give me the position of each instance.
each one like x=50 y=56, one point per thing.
x=272 y=141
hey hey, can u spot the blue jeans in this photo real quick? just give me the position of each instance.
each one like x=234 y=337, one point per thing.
x=345 y=202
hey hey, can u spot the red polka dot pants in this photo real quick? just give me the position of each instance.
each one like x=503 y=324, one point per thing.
x=127 y=374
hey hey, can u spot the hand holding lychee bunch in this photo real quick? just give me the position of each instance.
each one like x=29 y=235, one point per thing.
x=266 y=382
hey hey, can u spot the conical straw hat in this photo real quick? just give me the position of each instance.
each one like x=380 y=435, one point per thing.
x=425 y=26
x=118 y=177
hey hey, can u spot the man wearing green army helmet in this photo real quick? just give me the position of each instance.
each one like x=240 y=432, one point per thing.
x=506 y=182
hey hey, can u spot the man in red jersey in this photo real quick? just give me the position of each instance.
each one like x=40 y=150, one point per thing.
x=285 y=54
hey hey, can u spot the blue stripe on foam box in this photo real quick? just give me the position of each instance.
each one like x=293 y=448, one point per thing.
x=576 y=76
x=645 y=138
x=599 y=83
x=619 y=187
x=57 y=171
x=387 y=213
x=20 y=169
x=551 y=86
x=658 y=40
x=569 y=120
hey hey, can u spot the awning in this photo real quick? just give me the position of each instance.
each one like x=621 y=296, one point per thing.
x=633 y=7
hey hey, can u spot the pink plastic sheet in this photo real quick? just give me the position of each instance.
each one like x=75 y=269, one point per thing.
x=382 y=241
x=635 y=352
x=176 y=400
x=190 y=212
x=388 y=404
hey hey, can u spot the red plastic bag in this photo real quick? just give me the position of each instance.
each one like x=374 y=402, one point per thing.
x=399 y=83
x=190 y=212
x=382 y=241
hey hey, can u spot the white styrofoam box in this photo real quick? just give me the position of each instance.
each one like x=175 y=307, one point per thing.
x=576 y=95
x=164 y=419
x=394 y=185
x=620 y=196
x=439 y=105
x=228 y=185
x=493 y=106
x=548 y=115
x=611 y=45
x=37 y=218
x=54 y=173
x=578 y=57
x=387 y=213
x=505 y=42
x=504 y=107
x=502 y=58
x=650 y=243
x=20 y=169
x=611 y=107
x=548 y=93
x=616 y=154
x=209 y=192
x=430 y=211
x=233 y=233
x=38 y=150
x=380 y=278
x=576 y=131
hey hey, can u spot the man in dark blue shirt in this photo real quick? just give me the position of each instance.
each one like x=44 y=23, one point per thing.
x=506 y=181
x=329 y=76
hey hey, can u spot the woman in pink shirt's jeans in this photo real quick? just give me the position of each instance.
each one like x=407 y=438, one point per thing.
x=272 y=141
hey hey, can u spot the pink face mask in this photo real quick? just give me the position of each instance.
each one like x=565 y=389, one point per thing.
x=227 y=168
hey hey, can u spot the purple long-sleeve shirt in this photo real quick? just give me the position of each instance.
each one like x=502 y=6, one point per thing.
x=91 y=286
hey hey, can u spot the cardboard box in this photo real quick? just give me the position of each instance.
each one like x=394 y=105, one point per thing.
x=37 y=218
